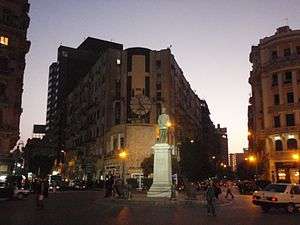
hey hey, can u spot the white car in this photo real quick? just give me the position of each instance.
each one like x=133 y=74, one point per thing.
x=278 y=195
x=21 y=193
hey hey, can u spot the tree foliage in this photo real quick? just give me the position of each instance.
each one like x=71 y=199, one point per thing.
x=195 y=161
x=39 y=157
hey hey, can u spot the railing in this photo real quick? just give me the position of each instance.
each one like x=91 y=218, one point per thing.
x=281 y=62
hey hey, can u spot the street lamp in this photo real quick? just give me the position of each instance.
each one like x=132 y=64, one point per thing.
x=123 y=155
x=296 y=157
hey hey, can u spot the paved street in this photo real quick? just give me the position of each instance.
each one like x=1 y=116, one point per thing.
x=89 y=208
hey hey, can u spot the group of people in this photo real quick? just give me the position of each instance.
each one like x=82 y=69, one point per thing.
x=212 y=193
x=114 y=186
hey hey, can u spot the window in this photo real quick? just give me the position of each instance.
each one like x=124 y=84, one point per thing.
x=158 y=96
x=158 y=86
x=118 y=89
x=274 y=55
x=118 y=61
x=298 y=50
x=274 y=79
x=4 y=40
x=290 y=97
x=279 y=188
x=290 y=119
x=158 y=76
x=276 y=121
x=276 y=99
x=292 y=143
x=117 y=113
x=287 y=52
x=158 y=64
x=278 y=145
x=288 y=77
x=147 y=86
x=3 y=64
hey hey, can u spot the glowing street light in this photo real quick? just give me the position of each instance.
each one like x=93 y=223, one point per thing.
x=296 y=156
x=123 y=155
x=192 y=141
x=252 y=158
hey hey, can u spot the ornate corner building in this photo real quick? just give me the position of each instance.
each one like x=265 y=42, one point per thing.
x=274 y=110
x=116 y=106
x=113 y=104
x=14 y=22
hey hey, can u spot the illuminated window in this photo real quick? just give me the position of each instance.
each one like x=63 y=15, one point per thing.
x=3 y=40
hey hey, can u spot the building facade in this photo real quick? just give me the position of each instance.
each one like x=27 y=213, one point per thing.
x=274 y=110
x=235 y=159
x=116 y=107
x=14 y=22
x=71 y=66
x=223 y=139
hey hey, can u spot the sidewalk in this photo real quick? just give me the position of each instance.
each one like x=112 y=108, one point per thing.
x=140 y=198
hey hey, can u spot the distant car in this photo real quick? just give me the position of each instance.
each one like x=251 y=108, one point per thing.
x=21 y=193
x=54 y=187
x=279 y=195
x=79 y=185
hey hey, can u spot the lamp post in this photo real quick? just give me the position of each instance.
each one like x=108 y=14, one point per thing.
x=296 y=157
x=123 y=155
x=252 y=159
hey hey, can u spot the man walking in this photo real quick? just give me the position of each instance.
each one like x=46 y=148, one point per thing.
x=228 y=190
x=211 y=200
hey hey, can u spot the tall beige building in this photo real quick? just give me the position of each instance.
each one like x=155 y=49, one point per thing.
x=274 y=110
x=116 y=107
x=14 y=22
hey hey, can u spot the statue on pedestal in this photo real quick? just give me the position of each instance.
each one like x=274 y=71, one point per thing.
x=163 y=123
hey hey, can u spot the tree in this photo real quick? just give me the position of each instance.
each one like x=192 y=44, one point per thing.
x=195 y=161
x=39 y=157
x=245 y=171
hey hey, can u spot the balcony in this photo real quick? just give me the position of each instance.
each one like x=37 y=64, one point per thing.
x=278 y=63
x=284 y=107
x=278 y=130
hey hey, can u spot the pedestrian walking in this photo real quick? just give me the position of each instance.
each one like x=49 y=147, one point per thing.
x=40 y=194
x=229 y=190
x=211 y=200
x=217 y=189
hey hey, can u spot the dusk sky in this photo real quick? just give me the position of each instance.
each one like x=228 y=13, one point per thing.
x=211 y=41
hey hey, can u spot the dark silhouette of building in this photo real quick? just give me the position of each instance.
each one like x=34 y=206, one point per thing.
x=14 y=22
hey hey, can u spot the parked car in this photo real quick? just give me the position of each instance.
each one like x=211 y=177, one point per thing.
x=280 y=195
x=21 y=193
x=5 y=191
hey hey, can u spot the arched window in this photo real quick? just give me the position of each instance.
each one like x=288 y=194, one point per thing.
x=278 y=145
x=292 y=143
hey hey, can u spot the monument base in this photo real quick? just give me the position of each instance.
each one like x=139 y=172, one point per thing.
x=162 y=180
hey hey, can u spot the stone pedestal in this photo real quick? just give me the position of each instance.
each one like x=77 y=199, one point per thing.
x=162 y=176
